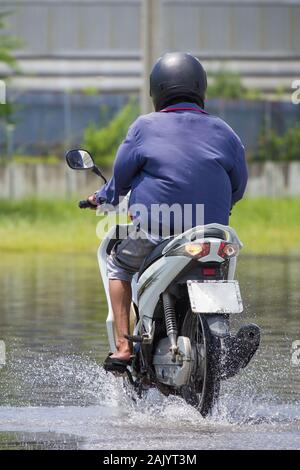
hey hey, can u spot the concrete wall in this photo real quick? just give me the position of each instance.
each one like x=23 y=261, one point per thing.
x=274 y=179
x=18 y=181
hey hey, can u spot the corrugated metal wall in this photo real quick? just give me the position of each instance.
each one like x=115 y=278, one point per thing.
x=232 y=28
x=209 y=28
x=78 y=32
x=73 y=28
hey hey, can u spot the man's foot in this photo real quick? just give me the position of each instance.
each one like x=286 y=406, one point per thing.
x=123 y=351
x=115 y=364
x=123 y=356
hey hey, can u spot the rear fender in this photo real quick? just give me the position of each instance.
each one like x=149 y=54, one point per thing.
x=218 y=324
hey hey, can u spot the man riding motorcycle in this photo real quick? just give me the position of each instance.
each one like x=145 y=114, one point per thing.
x=178 y=154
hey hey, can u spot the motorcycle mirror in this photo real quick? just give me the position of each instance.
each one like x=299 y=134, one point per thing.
x=79 y=159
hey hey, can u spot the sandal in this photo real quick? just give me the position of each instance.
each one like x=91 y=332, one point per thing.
x=113 y=364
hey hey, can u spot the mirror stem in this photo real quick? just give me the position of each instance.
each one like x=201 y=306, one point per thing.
x=98 y=173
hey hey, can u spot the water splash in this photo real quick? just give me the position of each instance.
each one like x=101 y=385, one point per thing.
x=71 y=395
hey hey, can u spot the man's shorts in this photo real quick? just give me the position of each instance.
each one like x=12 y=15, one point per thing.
x=128 y=255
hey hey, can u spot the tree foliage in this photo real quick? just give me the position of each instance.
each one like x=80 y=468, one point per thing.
x=228 y=85
x=103 y=143
x=286 y=147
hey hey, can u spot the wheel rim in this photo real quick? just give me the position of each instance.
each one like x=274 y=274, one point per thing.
x=195 y=389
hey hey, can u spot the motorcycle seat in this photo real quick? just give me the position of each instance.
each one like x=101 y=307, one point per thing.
x=154 y=255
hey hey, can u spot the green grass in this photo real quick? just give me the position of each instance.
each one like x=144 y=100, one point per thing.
x=266 y=226
x=46 y=226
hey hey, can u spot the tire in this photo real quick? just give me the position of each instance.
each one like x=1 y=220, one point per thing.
x=203 y=389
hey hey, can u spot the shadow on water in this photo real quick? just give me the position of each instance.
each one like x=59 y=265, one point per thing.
x=55 y=395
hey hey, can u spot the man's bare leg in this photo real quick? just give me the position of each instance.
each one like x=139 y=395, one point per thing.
x=120 y=296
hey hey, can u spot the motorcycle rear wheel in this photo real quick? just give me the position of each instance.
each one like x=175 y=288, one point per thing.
x=203 y=389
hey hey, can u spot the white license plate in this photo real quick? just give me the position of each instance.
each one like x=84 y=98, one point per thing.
x=215 y=296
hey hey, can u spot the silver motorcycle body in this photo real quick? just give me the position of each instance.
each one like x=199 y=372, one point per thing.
x=210 y=294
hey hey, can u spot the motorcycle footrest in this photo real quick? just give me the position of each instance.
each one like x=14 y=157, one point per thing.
x=134 y=338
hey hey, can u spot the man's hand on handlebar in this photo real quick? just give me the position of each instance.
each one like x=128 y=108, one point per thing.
x=89 y=203
x=93 y=201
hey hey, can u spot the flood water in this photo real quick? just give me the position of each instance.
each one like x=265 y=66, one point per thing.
x=54 y=393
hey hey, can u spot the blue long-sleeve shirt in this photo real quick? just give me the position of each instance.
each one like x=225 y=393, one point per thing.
x=183 y=157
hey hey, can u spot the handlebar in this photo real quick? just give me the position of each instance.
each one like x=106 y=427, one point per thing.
x=85 y=204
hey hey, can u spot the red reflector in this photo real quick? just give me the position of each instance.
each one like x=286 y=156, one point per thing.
x=209 y=271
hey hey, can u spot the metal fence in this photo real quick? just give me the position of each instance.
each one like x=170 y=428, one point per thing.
x=252 y=119
x=48 y=122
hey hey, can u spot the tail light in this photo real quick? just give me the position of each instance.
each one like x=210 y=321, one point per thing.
x=192 y=250
x=209 y=271
x=228 y=250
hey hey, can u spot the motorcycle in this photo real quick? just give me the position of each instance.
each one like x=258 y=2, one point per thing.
x=183 y=298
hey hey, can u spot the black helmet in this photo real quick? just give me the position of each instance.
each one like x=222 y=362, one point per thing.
x=177 y=76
